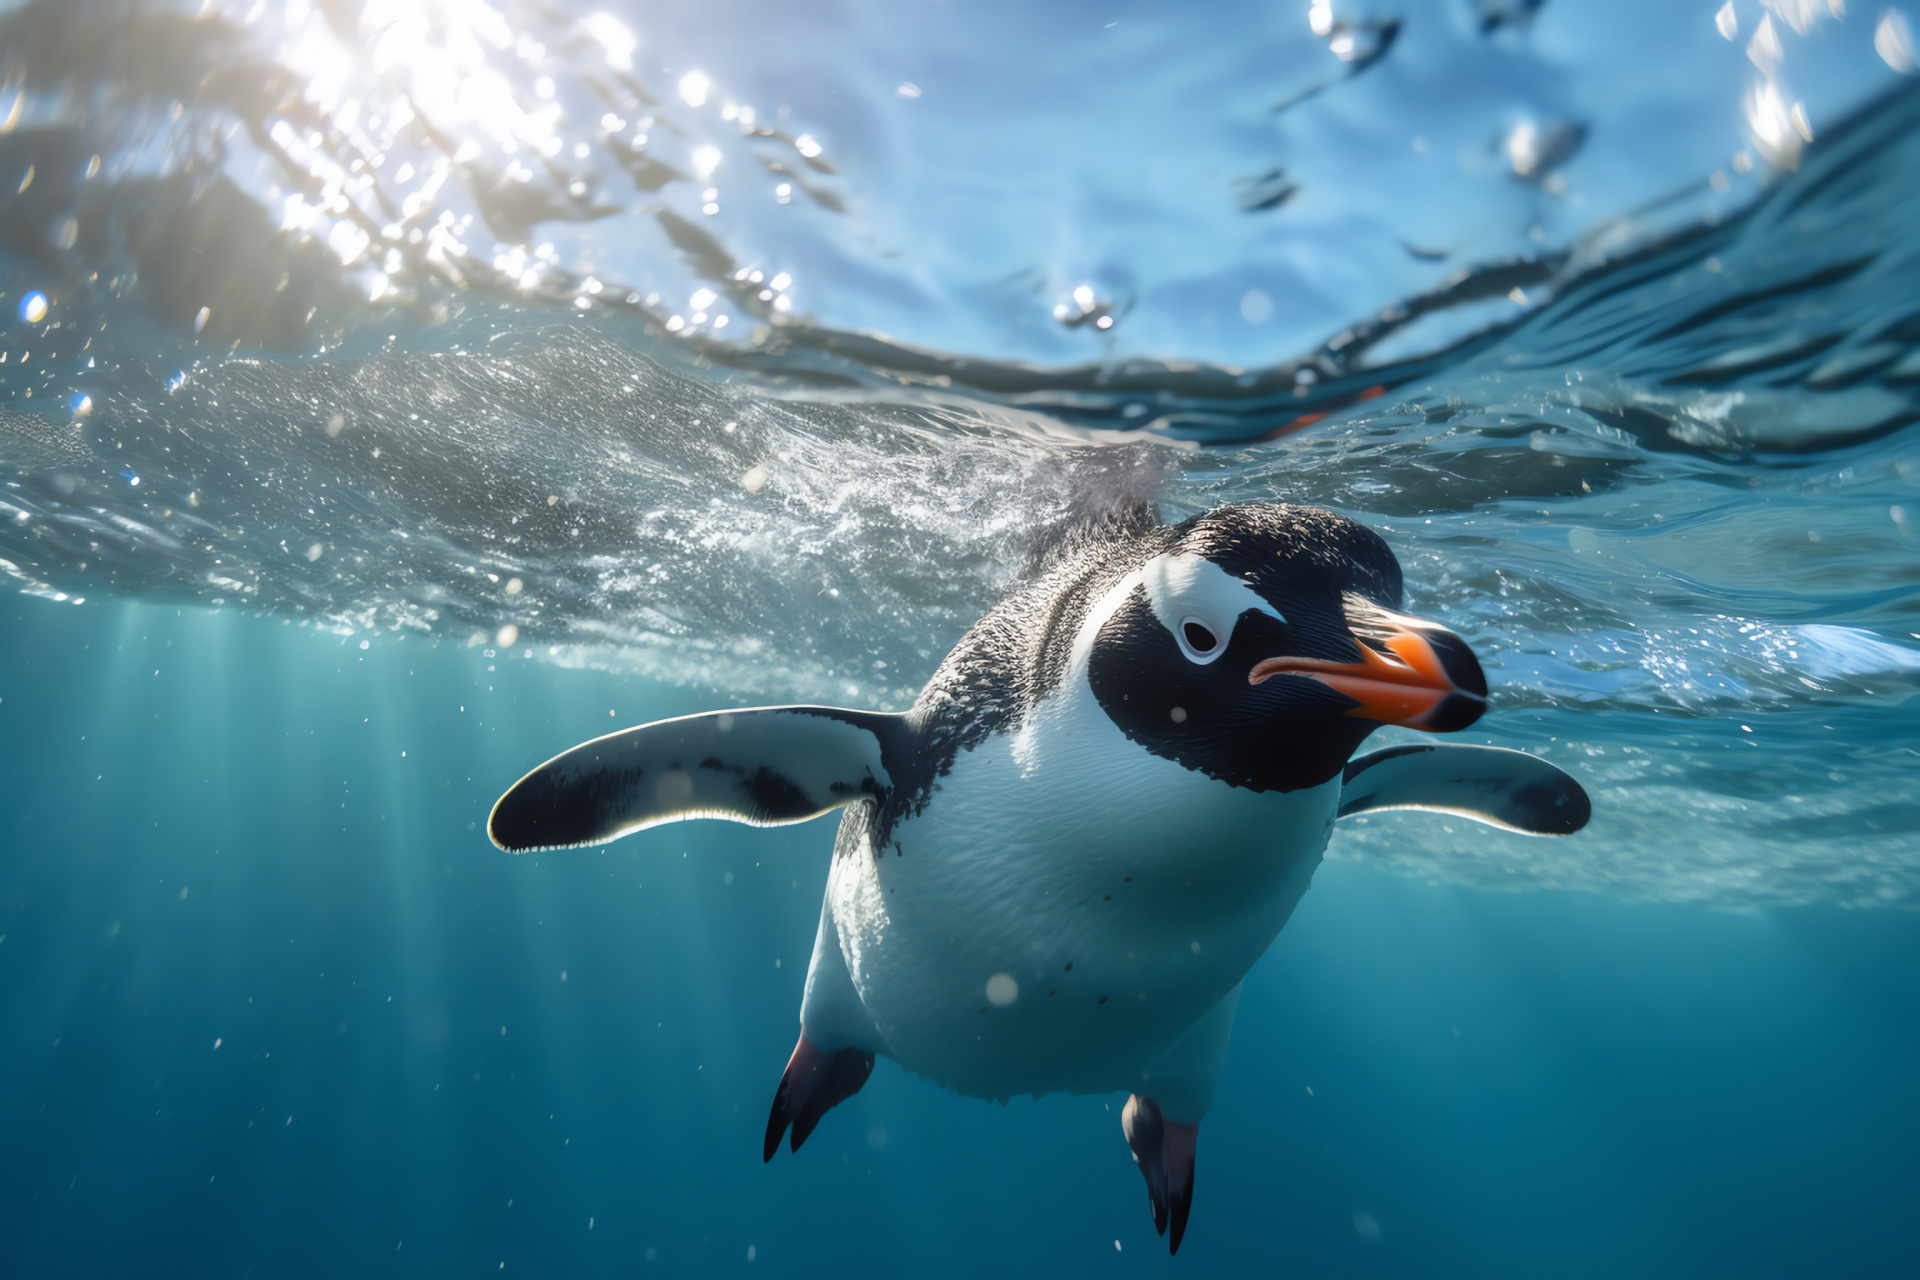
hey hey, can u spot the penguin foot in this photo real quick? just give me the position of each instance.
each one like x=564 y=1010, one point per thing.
x=814 y=1082
x=1164 y=1151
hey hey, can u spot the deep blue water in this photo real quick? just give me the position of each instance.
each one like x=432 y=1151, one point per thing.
x=318 y=533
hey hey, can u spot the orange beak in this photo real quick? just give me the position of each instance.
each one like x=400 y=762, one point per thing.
x=1427 y=678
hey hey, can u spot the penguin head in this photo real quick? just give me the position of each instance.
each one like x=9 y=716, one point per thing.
x=1266 y=642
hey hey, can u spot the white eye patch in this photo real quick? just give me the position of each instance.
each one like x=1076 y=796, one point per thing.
x=1183 y=587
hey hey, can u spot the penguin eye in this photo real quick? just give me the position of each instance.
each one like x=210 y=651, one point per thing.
x=1199 y=641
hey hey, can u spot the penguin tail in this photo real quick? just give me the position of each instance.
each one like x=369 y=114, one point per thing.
x=815 y=1081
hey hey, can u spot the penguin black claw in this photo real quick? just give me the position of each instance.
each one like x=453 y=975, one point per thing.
x=814 y=1082
x=1178 y=1158
x=796 y=1083
x=1163 y=1150
x=845 y=1075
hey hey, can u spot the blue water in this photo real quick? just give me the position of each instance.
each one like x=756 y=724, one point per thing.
x=235 y=850
x=315 y=544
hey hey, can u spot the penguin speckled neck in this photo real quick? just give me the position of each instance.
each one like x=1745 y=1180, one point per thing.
x=1054 y=871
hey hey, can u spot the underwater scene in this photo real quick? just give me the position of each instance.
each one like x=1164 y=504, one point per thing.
x=1346 y=572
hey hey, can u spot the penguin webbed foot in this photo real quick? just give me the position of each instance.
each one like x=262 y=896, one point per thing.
x=814 y=1082
x=1164 y=1152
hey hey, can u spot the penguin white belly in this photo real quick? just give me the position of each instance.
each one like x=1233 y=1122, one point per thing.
x=1066 y=906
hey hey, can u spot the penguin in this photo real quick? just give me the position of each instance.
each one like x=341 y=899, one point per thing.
x=1053 y=871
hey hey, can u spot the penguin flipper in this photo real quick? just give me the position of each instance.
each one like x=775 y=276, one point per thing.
x=1502 y=788
x=768 y=767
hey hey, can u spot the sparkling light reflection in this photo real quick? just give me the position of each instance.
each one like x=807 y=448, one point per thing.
x=430 y=142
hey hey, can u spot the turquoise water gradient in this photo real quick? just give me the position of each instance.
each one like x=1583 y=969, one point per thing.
x=212 y=835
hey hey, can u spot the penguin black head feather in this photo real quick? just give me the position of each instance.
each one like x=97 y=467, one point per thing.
x=1264 y=644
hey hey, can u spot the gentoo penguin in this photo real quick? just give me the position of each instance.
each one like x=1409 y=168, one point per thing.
x=1054 y=871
